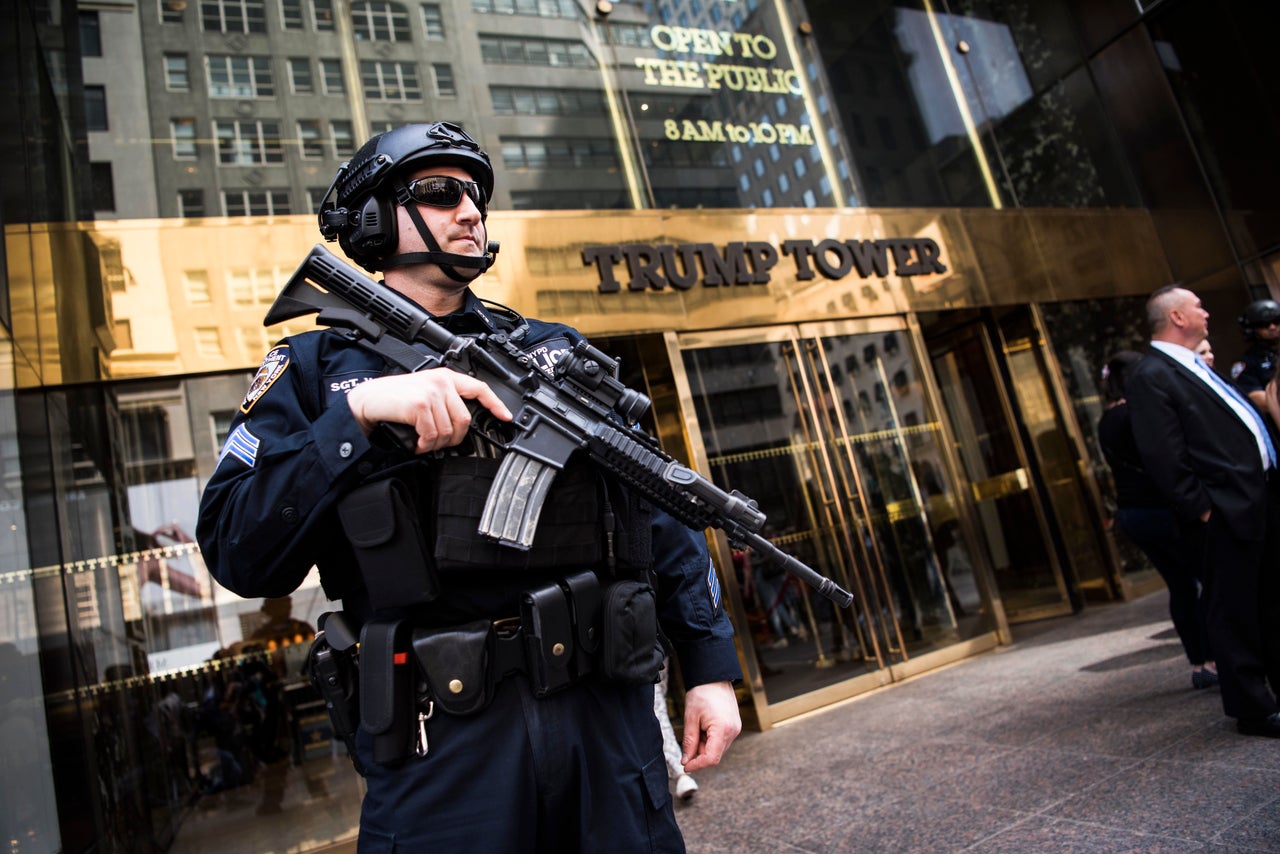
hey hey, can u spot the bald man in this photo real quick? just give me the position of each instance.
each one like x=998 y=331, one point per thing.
x=1212 y=457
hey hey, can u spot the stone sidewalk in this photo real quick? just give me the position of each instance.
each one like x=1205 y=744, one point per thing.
x=1084 y=735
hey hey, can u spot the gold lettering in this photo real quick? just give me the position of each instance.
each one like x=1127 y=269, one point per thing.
x=670 y=72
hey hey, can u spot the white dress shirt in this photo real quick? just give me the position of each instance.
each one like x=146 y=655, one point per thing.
x=1241 y=407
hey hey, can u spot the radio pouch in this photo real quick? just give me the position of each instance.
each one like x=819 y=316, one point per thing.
x=455 y=662
x=548 y=635
x=386 y=689
x=630 y=651
x=381 y=522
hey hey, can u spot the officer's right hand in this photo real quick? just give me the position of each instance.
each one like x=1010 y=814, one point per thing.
x=431 y=402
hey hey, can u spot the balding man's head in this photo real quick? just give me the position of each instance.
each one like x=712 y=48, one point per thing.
x=1174 y=314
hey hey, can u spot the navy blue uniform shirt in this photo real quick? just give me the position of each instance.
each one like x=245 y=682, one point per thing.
x=268 y=512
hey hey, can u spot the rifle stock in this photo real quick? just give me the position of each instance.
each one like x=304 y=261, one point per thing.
x=583 y=407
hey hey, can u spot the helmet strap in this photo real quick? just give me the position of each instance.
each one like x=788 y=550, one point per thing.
x=449 y=262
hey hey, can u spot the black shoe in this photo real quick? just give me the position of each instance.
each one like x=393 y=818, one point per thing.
x=1268 y=726
x=1203 y=678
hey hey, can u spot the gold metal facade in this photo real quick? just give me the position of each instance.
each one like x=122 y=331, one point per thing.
x=155 y=298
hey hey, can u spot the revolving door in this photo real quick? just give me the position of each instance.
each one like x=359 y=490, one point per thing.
x=831 y=428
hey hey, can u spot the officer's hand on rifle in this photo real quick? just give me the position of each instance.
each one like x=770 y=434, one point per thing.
x=431 y=402
x=711 y=723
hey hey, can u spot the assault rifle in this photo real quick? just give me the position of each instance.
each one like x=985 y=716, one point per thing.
x=582 y=407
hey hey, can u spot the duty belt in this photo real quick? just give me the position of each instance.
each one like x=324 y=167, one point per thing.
x=565 y=631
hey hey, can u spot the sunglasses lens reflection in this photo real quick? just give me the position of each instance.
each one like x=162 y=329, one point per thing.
x=443 y=191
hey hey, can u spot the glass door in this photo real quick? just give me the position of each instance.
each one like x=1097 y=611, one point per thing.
x=829 y=428
x=1058 y=450
x=1011 y=517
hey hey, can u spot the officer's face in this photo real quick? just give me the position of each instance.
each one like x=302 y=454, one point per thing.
x=456 y=229
x=1270 y=332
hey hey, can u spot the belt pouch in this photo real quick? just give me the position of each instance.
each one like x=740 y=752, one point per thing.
x=548 y=632
x=381 y=522
x=583 y=590
x=386 y=689
x=455 y=662
x=630 y=651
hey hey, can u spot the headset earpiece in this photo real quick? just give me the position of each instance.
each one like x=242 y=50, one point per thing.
x=372 y=230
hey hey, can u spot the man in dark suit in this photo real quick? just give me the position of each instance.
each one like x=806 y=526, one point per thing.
x=1212 y=457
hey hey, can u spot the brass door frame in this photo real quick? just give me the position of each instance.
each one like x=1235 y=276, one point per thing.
x=767 y=714
x=892 y=662
x=893 y=643
x=802 y=389
x=1122 y=587
x=964 y=489
x=983 y=323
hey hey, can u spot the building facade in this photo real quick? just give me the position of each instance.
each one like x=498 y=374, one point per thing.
x=866 y=259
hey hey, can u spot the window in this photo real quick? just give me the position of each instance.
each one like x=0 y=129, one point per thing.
x=380 y=21
x=390 y=81
x=432 y=21
x=344 y=142
x=256 y=202
x=191 y=203
x=515 y=50
x=542 y=101
x=331 y=77
x=171 y=13
x=323 y=12
x=310 y=145
x=246 y=143
x=300 y=82
x=95 y=108
x=291 y=14
x=233 y=16
x=315 y=195
x=183 y=133
x=630 y=35
x=445 y=87
x=122 y=332
x=540 y=8
x=177 y=74
x=195 y=284
x=559 y=153
x=90 y=34
x=247 y=288
x=240 y=77
x=208 y=342
x=104 y=193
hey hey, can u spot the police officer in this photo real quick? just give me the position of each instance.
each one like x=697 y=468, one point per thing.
x=1261 y=325
x=473 y=734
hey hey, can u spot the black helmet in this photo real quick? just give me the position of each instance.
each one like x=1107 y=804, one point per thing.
x=1259 y=313
x=358 y=209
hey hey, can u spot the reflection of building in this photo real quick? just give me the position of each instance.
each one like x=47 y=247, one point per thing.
x=925 y=435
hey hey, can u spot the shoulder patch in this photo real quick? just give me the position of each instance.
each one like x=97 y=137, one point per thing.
x=271 y=369
x=545 y=354
x=1236 y=370
x=713 y=586
x=242 y=445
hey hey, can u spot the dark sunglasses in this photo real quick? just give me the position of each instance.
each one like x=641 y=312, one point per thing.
x=445 y=191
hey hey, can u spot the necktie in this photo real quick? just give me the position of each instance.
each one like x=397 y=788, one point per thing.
x=1230 y=390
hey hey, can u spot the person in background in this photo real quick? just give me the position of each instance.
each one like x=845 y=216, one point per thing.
x=1145 y=518
x=1260 y=324
x=1205 y=351
x=686 y=787
x=1210 y=454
